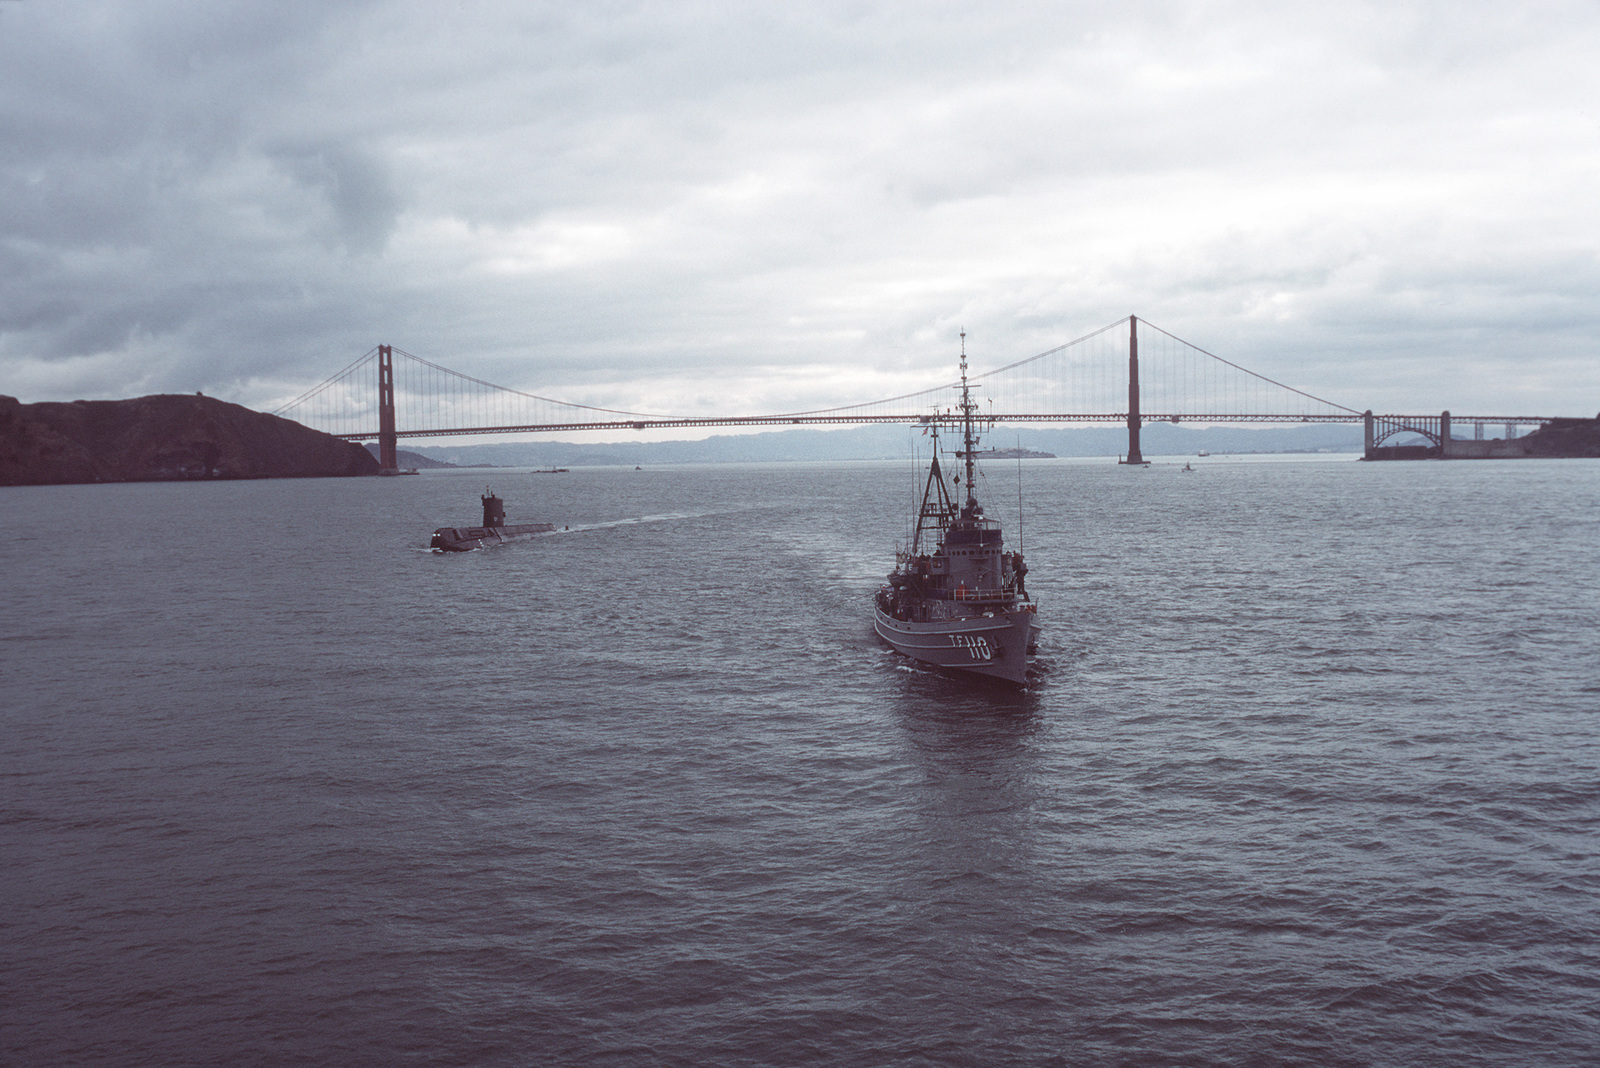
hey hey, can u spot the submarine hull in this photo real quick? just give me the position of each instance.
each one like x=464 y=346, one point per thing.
x=466 y=539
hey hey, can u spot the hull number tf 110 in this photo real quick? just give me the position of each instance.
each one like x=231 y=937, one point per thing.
x=978 y=647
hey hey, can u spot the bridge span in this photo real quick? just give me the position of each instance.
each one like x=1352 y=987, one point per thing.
x=1117 y=374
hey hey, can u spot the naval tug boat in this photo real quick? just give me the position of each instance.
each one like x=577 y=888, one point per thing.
x=956 y=597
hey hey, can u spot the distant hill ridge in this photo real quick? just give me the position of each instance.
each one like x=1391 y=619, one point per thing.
x=413 y=460
x=163 y=438
x=896 y=442
x=1563 y=437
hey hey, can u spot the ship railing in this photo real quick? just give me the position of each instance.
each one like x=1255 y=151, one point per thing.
x=977 y=593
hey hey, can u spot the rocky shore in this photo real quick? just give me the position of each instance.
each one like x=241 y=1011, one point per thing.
x=163 y=438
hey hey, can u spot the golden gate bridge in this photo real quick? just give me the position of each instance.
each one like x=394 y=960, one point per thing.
x=1129 y=371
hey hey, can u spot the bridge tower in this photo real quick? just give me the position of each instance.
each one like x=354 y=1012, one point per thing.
x=388 y=454
x=1134 y=455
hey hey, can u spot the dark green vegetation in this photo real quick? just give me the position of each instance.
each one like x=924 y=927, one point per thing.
x=163 y=438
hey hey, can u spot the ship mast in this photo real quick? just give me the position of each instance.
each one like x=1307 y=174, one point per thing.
x=937 y=507
x=969 y=443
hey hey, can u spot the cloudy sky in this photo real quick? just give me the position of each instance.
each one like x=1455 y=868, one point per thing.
x=704 y=207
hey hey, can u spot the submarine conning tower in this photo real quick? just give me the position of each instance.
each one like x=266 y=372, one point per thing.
x=494 y=510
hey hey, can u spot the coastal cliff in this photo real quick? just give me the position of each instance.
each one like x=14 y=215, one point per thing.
x=163 y=438
x=1565 y=437
x=1558 y=438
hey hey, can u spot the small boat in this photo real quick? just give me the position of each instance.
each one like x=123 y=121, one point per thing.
x=495 y=530
x=1186 y=467
x=956 y=597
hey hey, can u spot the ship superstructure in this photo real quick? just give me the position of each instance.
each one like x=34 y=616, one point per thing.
x=957 y=598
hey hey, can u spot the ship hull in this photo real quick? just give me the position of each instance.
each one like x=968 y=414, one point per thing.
x=466 y=539
x=992 y=646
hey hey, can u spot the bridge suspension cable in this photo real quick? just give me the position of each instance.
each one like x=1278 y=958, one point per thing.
x=1186 y=381
x=1085 y=380
x=430 y=398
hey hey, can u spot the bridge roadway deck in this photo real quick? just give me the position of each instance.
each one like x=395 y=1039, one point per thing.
x=828 y=419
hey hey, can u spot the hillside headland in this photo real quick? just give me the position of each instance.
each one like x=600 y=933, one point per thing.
x=1563 y=438
x=163 y=438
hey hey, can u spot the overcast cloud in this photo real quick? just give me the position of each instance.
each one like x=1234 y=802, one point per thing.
x=723 y=207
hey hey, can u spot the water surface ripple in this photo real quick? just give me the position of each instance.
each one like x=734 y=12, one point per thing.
x=1311 y=774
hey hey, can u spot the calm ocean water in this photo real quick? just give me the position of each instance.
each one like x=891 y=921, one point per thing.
x=1311 y=776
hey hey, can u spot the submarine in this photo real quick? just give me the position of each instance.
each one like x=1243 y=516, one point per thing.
x=495 y=530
